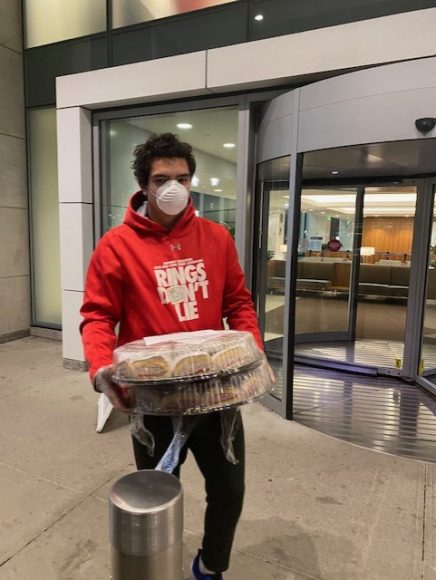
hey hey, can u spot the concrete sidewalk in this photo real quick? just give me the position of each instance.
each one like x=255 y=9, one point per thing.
x=316 y=507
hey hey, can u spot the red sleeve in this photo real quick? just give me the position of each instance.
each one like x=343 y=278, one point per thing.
x=101 y=308
x=238 y=306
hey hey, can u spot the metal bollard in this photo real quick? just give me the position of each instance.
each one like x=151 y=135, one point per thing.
x=146 y=527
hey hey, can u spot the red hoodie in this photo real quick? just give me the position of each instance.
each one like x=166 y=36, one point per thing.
x=153 y=281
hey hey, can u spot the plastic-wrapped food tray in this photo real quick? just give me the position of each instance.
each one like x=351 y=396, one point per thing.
x=190 y=379
x=195 y=397
x=193 y=373
x=203 y=355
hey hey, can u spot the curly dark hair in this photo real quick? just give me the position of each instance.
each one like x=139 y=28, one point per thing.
x=163 y=145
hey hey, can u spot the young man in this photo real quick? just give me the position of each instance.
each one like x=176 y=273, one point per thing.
x=136 y=278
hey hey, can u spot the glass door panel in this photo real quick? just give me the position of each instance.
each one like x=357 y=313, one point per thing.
x=427 y=367
x=354 y=260
x=273 y=186
x=384 y=274
x=325 y=255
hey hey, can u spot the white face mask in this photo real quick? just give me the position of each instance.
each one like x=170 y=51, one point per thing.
x=172 y=197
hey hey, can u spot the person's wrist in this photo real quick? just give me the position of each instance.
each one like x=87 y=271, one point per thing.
x=102 y=379
x=95 y=384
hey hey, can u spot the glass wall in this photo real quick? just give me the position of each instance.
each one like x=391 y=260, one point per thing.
x=127 y=12
x=427 y=367
x=213 y=135
x=276 y=17
x=325 y=251
x=384 y=275
x=49 y=21
x=46 y=285
x=273 y=195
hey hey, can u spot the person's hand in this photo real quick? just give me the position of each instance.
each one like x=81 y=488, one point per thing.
x=120 y=396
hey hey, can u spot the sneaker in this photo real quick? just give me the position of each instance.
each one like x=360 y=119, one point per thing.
x=197 y=575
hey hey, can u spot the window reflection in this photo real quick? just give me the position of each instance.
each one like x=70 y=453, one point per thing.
x=127 y=12
x=46 y=277
x=273 y=188
x=325 y=251
x=213 y=189
x=50 y=21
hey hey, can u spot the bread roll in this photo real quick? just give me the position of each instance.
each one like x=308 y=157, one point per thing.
x=232 y=357
x=200 y=399
x=196 y=363
x=153 y=367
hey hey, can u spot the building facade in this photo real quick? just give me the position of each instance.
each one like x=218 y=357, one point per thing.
x=303 y=122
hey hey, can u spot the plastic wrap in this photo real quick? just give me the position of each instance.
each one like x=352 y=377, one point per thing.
x=193 y=373
x=206 y=396
x=182 y=428
x=203 y=354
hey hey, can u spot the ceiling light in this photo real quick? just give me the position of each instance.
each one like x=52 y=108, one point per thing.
x=259 y=17
x=195 y=181
x=229 y=145
x=218 y=190
x=335 y=172
x=214 y=181
x=184 y=126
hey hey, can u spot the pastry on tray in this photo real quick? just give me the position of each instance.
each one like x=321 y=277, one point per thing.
x=193 y=364
x=149 y=368
x=231 y=357
x=232 y=350
x=200 y=398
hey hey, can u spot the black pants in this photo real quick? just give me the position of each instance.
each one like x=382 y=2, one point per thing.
x=224 y=481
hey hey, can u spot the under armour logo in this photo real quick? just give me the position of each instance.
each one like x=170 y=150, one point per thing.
x=175 y=247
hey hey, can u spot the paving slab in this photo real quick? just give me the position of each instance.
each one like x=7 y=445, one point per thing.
x=26 y=362
x=29 y=505
x=50 y=430
x=243 y=566
x=74 y=548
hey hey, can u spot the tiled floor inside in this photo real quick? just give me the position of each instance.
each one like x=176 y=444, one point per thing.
x=381 y=413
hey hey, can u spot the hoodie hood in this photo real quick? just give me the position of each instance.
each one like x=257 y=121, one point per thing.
x=144 y=224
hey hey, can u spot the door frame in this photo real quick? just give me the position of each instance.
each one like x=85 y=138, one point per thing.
x=429 y=204
x=349 y=334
